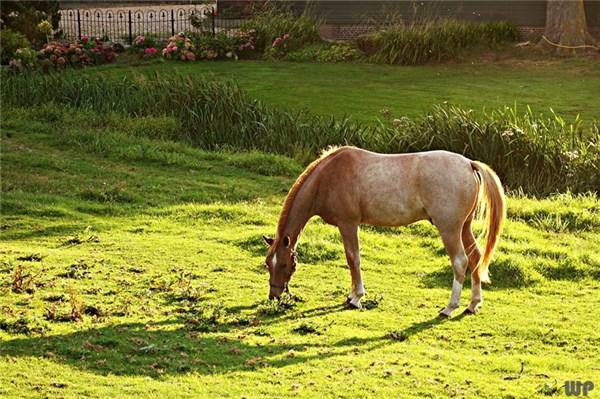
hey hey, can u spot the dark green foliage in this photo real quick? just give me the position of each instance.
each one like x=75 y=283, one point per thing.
x=10 y=41
x=24 y=17
x=434 y=41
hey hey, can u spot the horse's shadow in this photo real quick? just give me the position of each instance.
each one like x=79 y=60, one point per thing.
x=167 y=348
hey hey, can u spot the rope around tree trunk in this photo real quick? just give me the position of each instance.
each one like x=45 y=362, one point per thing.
x=570 y=47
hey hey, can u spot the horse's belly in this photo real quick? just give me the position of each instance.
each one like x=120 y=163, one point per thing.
x=392 y=214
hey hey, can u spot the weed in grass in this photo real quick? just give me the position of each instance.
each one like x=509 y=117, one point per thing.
x=205 y=317
x=80 y=270
x=31 y=258
x=77 y=306
x=372 y=302
x=306 y=328
x=24 y=280
x=279 y=306
x=23 y=325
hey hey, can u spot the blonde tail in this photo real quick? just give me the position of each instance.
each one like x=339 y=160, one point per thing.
x=492 y=204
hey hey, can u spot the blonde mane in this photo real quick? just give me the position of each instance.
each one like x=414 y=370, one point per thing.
x=289 y=200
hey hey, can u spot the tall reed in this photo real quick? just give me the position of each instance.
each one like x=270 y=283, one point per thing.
x=433 y=40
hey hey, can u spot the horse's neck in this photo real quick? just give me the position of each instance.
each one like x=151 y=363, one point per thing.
x=300 y=212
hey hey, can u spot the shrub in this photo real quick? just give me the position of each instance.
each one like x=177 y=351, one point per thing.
x=217 y=115
x=215 y=47
x=434 y=41
x=246 y=42
x=280 y=46
x=25 y=60
x=82 y=52
x=10 y=42
x=179 y=47
x=274 y=21
x=325 y=52
x=144 y=46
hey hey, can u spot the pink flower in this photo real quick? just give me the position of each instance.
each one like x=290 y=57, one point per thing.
x=276 y=42
x=150 y=51
x=139 y=40
x=286 y=36
x=85 y=38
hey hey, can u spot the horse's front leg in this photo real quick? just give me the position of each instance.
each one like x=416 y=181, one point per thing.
x=350 y=237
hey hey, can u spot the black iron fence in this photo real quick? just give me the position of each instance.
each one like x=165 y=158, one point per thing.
x=124 y=24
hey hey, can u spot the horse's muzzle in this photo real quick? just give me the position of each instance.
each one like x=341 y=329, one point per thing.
x=275 y=290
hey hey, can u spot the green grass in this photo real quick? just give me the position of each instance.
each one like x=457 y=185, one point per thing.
x=361 y=91
x=157 y=248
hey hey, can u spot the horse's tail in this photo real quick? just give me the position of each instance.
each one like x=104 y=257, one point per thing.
x=492 y=210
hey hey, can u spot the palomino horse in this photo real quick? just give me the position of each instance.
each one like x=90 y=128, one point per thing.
x=349 y=186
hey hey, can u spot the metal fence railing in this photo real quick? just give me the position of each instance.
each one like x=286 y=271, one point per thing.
x=123 y=24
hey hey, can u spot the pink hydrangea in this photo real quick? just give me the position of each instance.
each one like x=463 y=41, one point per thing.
x=150 y=51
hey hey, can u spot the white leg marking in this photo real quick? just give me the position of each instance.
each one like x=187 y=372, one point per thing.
x=357 y=294
x=454 y=298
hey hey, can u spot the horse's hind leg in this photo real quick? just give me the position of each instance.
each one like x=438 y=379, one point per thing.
x=451 y=237
x=474 y=254
x=350 y=237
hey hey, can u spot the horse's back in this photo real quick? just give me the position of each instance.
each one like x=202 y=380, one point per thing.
x=398 y=189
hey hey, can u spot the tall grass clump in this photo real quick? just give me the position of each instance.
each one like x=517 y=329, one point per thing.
x=433 y=41
x=272 y=20
x=539 y=153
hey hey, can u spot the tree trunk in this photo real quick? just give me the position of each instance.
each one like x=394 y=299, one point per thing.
x=566 y=25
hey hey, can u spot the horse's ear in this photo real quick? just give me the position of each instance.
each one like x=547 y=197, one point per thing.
x=268 y=240
x=286 y=241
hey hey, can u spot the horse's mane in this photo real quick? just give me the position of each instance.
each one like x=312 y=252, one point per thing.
x=289 y=200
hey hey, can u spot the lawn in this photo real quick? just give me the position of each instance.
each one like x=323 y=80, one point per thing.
x=133 y=267
x=362 y=91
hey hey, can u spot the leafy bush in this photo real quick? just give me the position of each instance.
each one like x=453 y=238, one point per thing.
x=275 y=21
x=215 y=47
x=434 y=41
x=10 y=42
x=538 y=153
x=325 y=52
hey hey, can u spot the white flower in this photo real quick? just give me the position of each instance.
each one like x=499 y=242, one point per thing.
x=572 y=155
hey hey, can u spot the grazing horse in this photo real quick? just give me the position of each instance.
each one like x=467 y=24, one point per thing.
x=348 y=186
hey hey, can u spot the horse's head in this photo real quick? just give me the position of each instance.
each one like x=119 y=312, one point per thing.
x=281 y=262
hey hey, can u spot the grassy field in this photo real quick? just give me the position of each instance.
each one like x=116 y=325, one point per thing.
x=132 y=267
x=362 y=91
